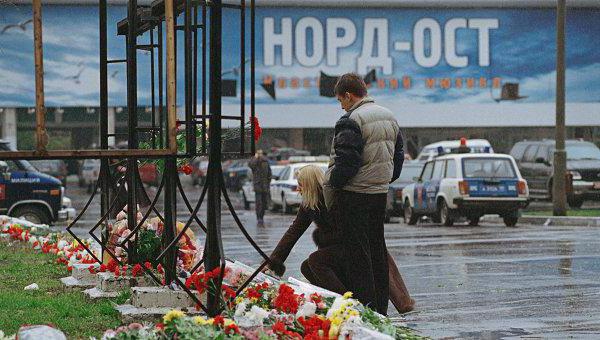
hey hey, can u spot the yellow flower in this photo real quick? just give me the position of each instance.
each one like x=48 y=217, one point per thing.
x=253 y=299
x=174 y=314
x=347 y=295
x=239 y=300
x=333 y=331
x=227 y=322
x=200 y=320
x=336 y=321
x=210 y=321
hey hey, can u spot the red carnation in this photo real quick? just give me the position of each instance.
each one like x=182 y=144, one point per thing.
x=257 y=128
x=219 y=320
x=92 y=269
x=186 y=169
x=230 y=293
x=160 y=269
x=103 y=268
x=137 y=269
x=148 y=265
x=232 y=329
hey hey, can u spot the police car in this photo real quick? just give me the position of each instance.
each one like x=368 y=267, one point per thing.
x=466 y=185
x=284 y=191
x=31 y=195
x=248 y=188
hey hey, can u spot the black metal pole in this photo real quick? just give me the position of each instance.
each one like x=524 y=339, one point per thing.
x=195 y=78
x=203 y=126
x=213 y=237
x=252 y=75
x=161 y=117
x=242 y=76
x=170 y=259
x=132 y=120
x=190 y=127
x=152 y=94
x=104 y=169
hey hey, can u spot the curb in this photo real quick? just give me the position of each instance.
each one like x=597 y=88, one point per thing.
x=573 y=221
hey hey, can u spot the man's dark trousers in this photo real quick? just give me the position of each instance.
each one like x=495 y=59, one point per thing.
x=361 y=218
x=261 y=202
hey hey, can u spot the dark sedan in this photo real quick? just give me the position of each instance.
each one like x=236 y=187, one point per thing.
x=394 y=207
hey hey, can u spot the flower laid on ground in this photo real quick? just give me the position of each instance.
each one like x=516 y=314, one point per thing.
x=262 y=310
x=186 y=169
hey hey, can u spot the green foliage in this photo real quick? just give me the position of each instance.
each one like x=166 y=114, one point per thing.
x=71 y=312
x=148 y=247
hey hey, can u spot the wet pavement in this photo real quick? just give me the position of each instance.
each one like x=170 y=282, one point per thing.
x=485 y=282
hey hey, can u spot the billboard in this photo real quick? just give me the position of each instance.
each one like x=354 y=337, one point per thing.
x=408 y=56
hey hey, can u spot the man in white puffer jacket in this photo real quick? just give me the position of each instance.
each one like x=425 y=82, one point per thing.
x=367 y=155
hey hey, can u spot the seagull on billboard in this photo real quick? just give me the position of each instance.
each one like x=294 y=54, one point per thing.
x=75 y=77
x=22 y=25
x=235 y=70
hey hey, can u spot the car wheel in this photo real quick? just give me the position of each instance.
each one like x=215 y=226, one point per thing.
x=474 y=220
x=575 y=201
x=410 y=217
x=510 y=221
x=32 y=214
x=287 y=209
x=246 y=203
x=445 y=214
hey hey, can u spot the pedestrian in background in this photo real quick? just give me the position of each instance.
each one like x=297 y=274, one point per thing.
x=261 y=179
x=367 y=154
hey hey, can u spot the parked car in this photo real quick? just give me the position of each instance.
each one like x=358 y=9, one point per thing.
x=284 y=191
x=433 y=150
x=89 y=173
x=467 y=185
x=536 y=162
x=248 y=187
x=281 y=154
x=236 y=174
x=199 y=170
x=56 y=168
x=394 y=206
x=27 y=193
x=149 y=173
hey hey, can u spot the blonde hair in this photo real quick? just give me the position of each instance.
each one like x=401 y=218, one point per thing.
x=310 y=178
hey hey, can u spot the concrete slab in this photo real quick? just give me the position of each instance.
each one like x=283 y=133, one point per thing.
x=157 y=297
x=108 y=282
x=70 y=282
x=95 y=293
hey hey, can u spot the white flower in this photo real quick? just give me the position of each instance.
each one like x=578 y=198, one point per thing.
x=240 y=309
x=307 y=309
x=61 y=244
x=258 y=314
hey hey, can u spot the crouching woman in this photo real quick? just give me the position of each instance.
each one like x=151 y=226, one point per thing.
x=324 y=267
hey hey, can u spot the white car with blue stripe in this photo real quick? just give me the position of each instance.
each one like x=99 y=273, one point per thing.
x=284 y=191
x=466 y=185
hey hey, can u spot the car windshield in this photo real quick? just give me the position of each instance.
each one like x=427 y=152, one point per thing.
x=408 y=173
x=488 y=168
x=582 y=151
x=277 y=170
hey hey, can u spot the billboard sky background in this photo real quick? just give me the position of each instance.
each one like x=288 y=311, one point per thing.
x=522 y=49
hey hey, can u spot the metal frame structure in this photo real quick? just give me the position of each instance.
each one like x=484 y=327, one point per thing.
x=162 y=16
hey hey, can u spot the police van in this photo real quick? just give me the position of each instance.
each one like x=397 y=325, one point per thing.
x=31 y=195
x=466 y=185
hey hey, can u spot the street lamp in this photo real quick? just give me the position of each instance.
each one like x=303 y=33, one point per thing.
x=559 y=197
